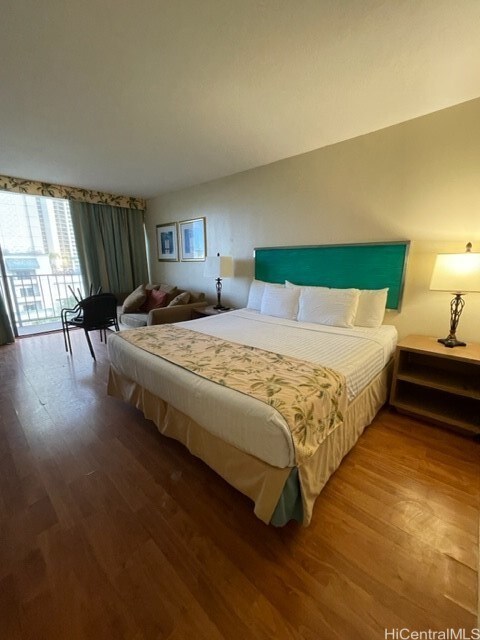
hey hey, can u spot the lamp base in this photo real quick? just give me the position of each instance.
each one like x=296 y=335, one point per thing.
x=220 y=307
x=456 y=308
x=452 y=342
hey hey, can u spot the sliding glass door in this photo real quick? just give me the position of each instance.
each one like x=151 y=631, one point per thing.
x=39 y=265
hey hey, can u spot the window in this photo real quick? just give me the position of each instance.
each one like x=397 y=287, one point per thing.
x=31 y=291
x=40 y=257
x=32 y=306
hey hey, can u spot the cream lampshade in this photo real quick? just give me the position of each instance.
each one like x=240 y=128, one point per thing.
x=458 y=273
x=218 y=267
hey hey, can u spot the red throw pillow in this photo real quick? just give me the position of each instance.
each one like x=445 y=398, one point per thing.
x=155 y=300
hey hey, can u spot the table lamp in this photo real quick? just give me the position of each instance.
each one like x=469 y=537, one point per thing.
x=458 y=273
x=219 y=267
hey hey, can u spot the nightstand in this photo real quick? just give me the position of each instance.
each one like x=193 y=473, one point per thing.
x=437 y=383
x=203 y=312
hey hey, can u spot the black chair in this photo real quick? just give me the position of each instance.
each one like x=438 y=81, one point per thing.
x=95 y=313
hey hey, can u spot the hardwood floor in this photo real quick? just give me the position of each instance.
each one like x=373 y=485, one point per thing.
x=109 y=530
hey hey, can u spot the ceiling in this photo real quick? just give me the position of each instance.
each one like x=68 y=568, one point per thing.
x=145 y=97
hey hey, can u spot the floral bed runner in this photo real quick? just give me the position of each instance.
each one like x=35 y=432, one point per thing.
x=310 y=398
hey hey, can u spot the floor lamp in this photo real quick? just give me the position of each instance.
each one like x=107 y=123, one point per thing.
x=458 y=273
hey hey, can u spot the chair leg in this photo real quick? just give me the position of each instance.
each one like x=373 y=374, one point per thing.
x=69 y=348
x=64 y=336
x=89 y=344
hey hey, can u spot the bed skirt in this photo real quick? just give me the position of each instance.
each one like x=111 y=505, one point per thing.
x=260 y=481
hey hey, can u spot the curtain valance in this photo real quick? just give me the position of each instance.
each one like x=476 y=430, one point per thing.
x=34 y=188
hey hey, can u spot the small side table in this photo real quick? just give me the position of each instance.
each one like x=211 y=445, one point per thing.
x=437 y=383
x=203 y=312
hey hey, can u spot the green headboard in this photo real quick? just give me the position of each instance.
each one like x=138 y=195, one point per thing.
x=363 y=266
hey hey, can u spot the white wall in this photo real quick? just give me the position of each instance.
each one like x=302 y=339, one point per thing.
x=419 y=180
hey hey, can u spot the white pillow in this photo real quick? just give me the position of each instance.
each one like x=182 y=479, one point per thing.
x=280 y=302
x=290 y=285
x=255 y=295
x=371 y=307
x=334 y=307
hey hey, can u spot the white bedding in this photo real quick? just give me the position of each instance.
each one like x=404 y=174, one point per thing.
x=249 y=424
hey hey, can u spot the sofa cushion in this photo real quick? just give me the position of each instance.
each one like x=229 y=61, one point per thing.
x=181 y=298
x=173 y=293
x=150 y=286
x=199 y=297
x=134 y=301
x=134 y=320
x=155 y=300
x=168 y=288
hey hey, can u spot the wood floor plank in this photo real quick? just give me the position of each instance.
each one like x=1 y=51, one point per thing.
x=9 y=611
x=109 y=530
x=251 y=614
x=412 y=515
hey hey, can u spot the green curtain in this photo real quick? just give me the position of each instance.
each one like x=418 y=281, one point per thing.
x=6 y=333
x=111 y=246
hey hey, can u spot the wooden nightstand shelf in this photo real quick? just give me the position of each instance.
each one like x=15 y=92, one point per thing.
x=203 y=312
x=438 y=383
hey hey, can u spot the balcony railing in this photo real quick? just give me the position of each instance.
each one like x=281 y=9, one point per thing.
x=38 y=299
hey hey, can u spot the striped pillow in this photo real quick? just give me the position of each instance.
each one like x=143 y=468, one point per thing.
x=280 y=302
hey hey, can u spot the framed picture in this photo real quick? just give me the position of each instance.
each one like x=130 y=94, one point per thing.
x=192 y=240
x=167 y=241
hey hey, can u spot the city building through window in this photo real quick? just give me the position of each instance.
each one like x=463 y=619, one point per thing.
x=40 y=268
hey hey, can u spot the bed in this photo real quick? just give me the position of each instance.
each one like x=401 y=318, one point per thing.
x=187 y=379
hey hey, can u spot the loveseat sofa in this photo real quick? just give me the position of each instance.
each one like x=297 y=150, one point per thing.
x=139 y=310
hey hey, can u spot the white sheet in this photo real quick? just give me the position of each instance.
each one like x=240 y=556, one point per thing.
x=249 y=424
